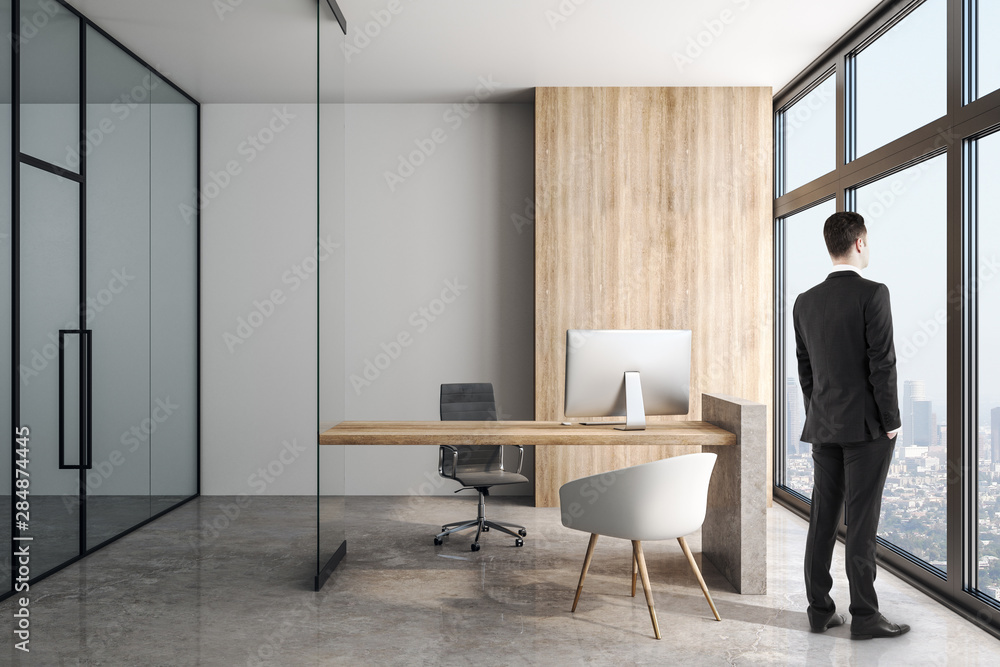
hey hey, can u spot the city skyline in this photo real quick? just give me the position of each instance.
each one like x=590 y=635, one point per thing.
x=914 y=504
x=923 y=427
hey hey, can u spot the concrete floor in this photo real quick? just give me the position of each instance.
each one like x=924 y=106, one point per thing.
x=175 y=593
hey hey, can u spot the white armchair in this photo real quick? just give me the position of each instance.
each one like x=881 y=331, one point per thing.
x=662 y=500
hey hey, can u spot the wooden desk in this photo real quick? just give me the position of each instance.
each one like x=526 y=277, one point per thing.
x=734 y=534
x=522 y=433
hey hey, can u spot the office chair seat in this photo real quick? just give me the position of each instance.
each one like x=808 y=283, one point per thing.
x=488 y=478
x=475 y=466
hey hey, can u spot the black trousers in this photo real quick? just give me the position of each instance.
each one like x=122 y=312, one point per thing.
x=855 y=473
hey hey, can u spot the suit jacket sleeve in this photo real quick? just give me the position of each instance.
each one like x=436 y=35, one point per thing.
x=882 y=358
x=802 y=354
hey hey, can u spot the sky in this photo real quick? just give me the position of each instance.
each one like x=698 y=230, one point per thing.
x=905 y=212
x=906 y=219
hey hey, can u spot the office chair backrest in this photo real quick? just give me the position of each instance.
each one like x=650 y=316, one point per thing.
x=651 y=501
x=469 y=401
x=472 y=401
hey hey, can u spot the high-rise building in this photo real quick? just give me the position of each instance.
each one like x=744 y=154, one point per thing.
x=995 y=435
x=922 y=420
x=913 y=390
x=794 y=417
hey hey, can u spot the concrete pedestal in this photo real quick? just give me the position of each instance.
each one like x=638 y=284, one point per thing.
x=734 y=535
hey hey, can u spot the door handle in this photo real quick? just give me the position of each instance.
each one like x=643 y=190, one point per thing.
x=85 y=385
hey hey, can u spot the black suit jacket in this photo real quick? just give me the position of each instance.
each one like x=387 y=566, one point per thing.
x=847 y=361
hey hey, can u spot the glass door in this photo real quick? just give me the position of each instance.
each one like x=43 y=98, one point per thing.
x=99 y=295
x=52 y=341
x=51 y=364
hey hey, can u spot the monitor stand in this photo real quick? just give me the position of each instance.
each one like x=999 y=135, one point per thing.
x=635 y=412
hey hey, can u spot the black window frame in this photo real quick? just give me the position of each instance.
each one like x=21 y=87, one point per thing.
x=953 y=134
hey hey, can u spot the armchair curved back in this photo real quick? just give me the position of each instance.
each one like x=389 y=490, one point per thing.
x=661 y=500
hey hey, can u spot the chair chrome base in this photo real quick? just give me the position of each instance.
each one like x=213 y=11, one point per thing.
x=482 y=525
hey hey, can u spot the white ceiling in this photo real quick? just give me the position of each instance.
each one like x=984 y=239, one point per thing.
x=437 y=50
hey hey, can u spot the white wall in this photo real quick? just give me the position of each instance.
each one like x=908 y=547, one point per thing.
x=258 y=224
x=441 y=239
x=453 y=218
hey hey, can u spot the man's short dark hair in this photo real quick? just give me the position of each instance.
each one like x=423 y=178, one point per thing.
x=841 y=230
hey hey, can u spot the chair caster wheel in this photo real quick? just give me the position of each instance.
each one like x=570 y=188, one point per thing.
x=519 y=542
x=486 y=529
x=437 y=541
x=522 y=532
x=475 y=546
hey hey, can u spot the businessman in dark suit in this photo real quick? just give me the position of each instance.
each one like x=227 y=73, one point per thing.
x=847 y=369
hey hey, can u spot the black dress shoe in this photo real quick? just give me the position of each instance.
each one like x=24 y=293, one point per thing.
x=879 y=629
x=835 y=620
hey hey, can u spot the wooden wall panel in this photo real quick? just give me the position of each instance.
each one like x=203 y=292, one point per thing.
x=653 y=211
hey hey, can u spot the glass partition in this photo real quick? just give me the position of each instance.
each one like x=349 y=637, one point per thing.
x=173 y=259
x=330 y=229
x=118 y=286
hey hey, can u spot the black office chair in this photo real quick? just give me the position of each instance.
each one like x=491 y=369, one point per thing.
x=475 y=466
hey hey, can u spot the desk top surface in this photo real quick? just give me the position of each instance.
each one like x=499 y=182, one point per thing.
x=521 y=433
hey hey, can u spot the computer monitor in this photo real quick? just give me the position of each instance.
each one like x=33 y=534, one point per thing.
x=610 y=373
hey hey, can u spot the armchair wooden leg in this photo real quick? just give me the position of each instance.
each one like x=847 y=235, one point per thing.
x=635 y=571
x=586 y=566
x=697 y=573
x=637 y=552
